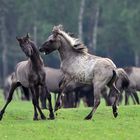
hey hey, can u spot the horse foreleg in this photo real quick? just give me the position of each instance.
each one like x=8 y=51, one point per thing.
x=13 y=87
x=51 y=115
x=37 y=103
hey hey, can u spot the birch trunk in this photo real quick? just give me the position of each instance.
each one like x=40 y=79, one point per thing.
x=95 y=28
x=80 y=21
x=4 y=50
x=136 y=58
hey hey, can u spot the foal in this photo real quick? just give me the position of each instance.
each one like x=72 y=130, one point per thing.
x=30 y=74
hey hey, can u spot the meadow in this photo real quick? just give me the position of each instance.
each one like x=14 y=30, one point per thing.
x=17 y=123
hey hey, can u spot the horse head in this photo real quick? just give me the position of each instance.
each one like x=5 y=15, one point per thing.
x=26 y=45
x=53 y=42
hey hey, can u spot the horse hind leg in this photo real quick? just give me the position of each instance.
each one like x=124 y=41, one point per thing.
x=9 y=99
x=97 y=94
x=116 y=92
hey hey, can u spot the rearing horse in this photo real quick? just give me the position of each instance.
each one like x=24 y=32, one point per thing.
x=78 y=65
x=30 y=74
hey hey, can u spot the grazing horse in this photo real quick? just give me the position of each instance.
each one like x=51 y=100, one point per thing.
x=78 y=65
x=30 y=74
x=134 y=78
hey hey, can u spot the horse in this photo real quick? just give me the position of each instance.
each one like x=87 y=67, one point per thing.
x=78 y=65
x=30 y=74
x=25 y=93
x=54 y=77
x=122 y=83
x=134 y=78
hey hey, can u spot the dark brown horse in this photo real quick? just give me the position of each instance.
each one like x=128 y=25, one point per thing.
x=30 y=74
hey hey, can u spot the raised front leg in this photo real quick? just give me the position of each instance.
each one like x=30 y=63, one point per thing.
x=9 y=99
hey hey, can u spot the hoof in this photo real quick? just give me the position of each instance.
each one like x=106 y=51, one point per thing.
x=35 y=119
x=44 y=108
x=56 y=108
x=115 y=114
x=0 y=117
x=43 y=117
x=89 y=117
x=51 y=117
x=58 y=105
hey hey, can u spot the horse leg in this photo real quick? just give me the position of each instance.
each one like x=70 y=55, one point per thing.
x=37 y=103
x=134 y=102
x=114 y=106
x=51 y=115
x=136 y=97
x=34 y=101
x=26 y=93
x=126 y=97
x=58 y=103
x=43 y=98
x=9 y=99
x=97 y=94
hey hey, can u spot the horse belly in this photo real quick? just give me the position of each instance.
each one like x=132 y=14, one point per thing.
x=22 y=75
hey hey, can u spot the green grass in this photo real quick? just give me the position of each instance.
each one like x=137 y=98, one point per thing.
x=17 y=124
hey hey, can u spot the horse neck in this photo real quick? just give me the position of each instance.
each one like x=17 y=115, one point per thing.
x=36 y=60
x=66 y=51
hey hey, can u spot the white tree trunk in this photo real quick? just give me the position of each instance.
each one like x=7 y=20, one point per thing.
x=95 y=28
x=136 y=58
x=80 y=21
x=35 y=33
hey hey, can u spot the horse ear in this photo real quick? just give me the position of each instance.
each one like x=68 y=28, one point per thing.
x=18 y=39
x=56 y=30
x=28 y=36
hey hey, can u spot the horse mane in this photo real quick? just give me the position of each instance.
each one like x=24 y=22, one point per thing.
x=75 y=43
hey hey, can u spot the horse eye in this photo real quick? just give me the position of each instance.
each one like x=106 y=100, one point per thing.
x=51 y=40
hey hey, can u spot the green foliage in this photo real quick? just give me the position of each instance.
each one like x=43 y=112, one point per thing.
x=118 y=27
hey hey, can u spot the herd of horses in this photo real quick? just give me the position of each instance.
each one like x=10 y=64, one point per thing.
x=81 y=75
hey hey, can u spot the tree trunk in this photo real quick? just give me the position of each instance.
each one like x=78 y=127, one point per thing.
x=136 y=58
x=35 y=33
x=95 y=28
x=80 y=21
x=4 y=45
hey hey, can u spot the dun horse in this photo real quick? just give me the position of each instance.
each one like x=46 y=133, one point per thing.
x=30 y=74
x=78 y=65
x=134 y=78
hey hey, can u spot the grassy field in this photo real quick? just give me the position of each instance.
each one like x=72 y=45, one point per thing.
x=17 y=124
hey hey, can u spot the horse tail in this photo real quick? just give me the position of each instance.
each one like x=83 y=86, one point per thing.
x=114 y=77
